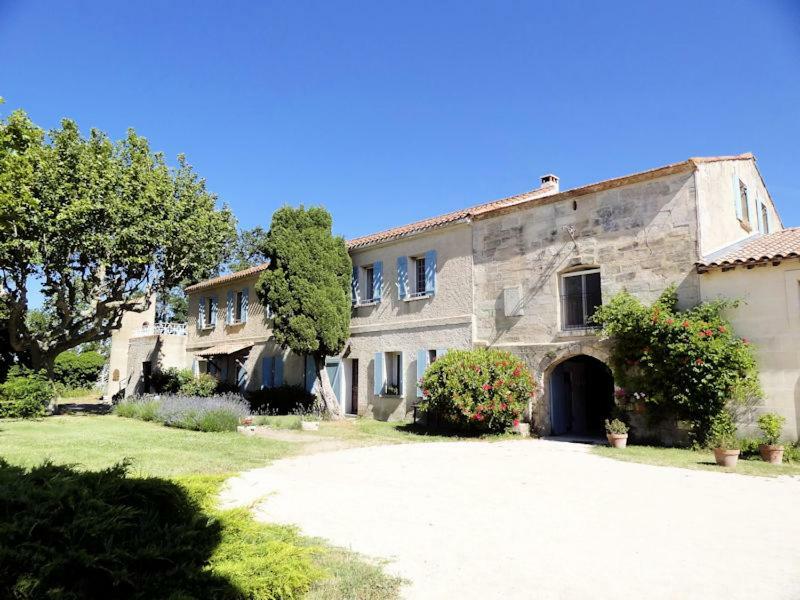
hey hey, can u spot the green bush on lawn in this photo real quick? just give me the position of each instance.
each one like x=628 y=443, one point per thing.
x=78 y=369
x=72 y=534
x=25 y=395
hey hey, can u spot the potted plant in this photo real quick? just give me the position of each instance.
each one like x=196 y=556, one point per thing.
x=771 y=425
x=248 y=420
x=722 y=439
x=617 y=433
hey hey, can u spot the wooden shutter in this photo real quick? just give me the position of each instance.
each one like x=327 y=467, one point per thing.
x=378 y=372
x=354 y=285
x=278 y=371
x=377 y=280
x=245 y=303
x=430 y=272
x=402 y=276
x=229 y=308
x=201 y=312
x=422 y=364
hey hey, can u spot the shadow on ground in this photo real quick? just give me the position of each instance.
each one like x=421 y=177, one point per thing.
x=72 y=534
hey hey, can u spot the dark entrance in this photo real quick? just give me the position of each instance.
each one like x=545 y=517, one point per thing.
x=147 y=376
x=581 y=396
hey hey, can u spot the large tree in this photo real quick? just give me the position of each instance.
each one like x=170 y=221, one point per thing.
x=307 y=287
x=100 y=227
x=248 y=250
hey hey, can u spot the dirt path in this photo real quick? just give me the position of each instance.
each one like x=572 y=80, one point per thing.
x=540 y=519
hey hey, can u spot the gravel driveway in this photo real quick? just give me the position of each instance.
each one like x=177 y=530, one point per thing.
x=540 y=519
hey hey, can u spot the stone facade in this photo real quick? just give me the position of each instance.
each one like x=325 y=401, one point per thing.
x=500 y=275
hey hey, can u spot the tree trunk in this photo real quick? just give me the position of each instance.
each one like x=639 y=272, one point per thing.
x=325 y=391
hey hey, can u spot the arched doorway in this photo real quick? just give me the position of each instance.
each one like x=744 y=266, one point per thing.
x=581 y=396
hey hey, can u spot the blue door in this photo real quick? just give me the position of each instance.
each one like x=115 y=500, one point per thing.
x=334 y=369
x=560 y=401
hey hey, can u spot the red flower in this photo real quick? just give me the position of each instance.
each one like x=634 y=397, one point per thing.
x=425 y=392
x=516 y=422
x=699 y=361
x=486 y=387
x=670 y=321
x=701 y=334
x=503 y=406
x=709 y=332
x=479 y=417
x=517 y=372
x=722 y=329
x=685 y=324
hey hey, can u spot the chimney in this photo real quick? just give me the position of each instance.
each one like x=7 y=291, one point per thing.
x=550 y=182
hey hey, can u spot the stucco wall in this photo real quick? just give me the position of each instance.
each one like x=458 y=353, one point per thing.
x=453 y=247
x=118 y=354
x=769 y=316
x=641 y=236
x=255 y=329
x=161 y=351
x=719 y=225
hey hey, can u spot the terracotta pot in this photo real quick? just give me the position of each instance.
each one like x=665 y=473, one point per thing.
x=247 y=421
x=773 y=454
x=726 y=458
x=617 y=440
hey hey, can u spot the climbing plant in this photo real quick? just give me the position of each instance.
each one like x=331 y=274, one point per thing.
x=687 y=364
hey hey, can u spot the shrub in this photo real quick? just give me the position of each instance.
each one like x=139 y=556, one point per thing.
x=215 y=413
x=71 y=534
x=171 y=380
x=203 y=385
x=281 y=400
x=78 y=370
x=770 y=425
x=687 y=364
x=480 y=390
x=616 y=427
x=25 y=395
x=722 y=432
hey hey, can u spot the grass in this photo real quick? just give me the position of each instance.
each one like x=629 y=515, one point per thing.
x=262 y=560
x=693 y=459
x=96 y=442
x=82 y=395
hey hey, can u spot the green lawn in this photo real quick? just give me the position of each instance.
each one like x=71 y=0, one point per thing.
x=693 y=459
x=94 y=442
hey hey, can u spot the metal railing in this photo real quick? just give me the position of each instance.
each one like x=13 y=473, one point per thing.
x=161 y=329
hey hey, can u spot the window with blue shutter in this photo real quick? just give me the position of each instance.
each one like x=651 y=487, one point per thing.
x=402 y=276
x=212 y=308
x=378 y=373
x=245 y=304
x=422 y=364
x=430 y=272
x=377 y=280
x=201 y=312
x=229 y=308
x=354 y=286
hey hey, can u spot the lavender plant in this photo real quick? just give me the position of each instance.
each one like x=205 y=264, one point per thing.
x=214 y=413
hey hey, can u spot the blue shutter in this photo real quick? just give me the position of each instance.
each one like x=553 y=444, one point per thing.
x=737 y=197
x=430 y=272
x=378 y=374
x=750 y=208
x=267 y=379
x=223 y=371
x=213 y=320
x=245 y=303
x=422 y=364
x=354 y=285
x=201 y=312
x=377 y=280
x=229 y=308
x=241 y=377
x=278 y=379
x=402 y=276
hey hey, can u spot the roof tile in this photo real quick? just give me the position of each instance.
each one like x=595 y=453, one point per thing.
x=765 y=248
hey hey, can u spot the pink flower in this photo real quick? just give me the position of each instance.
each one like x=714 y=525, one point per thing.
x=699 y=361
x=486 y=387
x=516 y=422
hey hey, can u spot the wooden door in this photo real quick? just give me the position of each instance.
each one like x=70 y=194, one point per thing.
x=354 y=387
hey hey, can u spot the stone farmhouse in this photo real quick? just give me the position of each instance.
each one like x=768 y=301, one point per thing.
x=524 y=274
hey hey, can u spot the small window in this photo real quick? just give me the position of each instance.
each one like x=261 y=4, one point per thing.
x=369 y=284
x=431 y=356
x=743 y=203
x=209 y=311
x=237 y=307
x=419 y=276
x=580 y=297
x=394 y=373
x=764 y=219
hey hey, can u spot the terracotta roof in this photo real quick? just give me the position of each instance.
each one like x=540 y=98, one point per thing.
x=763 y=248
x=226 y=278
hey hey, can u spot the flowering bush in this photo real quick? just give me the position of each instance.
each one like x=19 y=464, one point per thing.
x=684 y=364
x=482 y=389
x=214 y=413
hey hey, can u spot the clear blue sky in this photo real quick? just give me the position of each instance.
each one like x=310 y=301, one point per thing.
x=386 y=112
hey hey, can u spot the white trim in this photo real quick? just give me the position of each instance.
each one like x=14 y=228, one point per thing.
x=415 y=324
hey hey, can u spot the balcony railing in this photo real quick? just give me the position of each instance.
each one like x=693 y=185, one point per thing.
x=161 y=329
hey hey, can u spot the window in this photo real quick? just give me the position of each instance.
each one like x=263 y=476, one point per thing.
x=237 y=310
x=419 y=276
x=394 y=370
x=764 y=219
x=744 y=208
x=580 y=297
x=210 y=306
x=431 y=356
x=369 y=284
